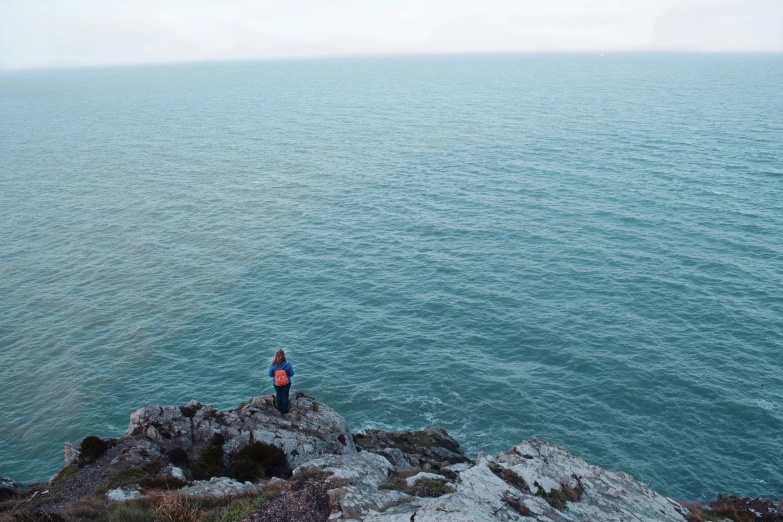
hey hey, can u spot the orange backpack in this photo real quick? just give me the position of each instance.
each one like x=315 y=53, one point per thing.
x=281 y=378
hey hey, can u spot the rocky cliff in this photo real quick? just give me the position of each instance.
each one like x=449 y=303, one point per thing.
x=193 y=462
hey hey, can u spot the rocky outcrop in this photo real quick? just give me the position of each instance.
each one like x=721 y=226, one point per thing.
x=71 y=454
x=10 y=488
x=307 y=500
x=430 y=448
x=218 y=487
x=354 y=482
x=533 y=481
x=306 y=466
x=308 y=431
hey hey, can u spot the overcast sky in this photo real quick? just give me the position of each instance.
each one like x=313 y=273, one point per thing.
x=63 y=33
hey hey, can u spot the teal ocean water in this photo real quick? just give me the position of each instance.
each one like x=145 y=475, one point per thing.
x=584 y=248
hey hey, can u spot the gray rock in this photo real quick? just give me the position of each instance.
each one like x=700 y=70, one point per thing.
x=354 y=481
x=397 y=458
x=310 y=429
x=460 y=467
x=173 y=472
x=70 y=454
x=137 y=452
x=511 y=486
x=534 y=467
x=10 y=488
x=218 y=487
x=780 y=506
x=430 y=448
x=422 y=475
x=121 y=495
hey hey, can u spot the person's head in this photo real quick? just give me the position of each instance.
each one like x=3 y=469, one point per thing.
x=279 y=357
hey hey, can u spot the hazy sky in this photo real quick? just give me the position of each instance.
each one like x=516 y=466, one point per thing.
x=56 y=33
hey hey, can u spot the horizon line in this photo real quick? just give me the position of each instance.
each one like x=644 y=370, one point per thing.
x=327 y=57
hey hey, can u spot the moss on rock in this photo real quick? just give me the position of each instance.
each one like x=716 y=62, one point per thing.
x=91 y=448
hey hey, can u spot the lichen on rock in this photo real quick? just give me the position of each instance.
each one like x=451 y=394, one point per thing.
x=307 y=466
x=303 y=434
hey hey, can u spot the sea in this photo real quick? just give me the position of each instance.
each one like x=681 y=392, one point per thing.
x=583 y=248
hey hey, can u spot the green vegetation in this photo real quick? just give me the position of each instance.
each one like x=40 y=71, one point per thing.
x=126 y=477
x=38 y=516
x=66 y=472
x=160 y=506
x=699 y=513
x=557 y=497
x=509 y=477
x=207 y=463
x=130 y=513
x=147 y=478
x=255 y=460
x=91 y=448
x=55 y=489
x=239 y=508
x=517 y=506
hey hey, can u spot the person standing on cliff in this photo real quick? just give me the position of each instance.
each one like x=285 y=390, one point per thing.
x=281 y=372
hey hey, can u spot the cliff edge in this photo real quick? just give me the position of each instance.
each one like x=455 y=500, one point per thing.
x=196 y=463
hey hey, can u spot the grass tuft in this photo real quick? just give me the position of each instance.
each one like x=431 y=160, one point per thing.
x=126 y=512
x=38 y=516
x=557 y=498
x=731 y=513
x=91 y=448
x=67 y=471
x=207 y=463
x=173 y=507
x=517 y=506
x=509 y=477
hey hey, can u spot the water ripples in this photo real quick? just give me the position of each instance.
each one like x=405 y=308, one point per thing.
x=585 y=249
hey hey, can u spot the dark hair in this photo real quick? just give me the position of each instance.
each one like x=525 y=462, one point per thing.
x=279 y=357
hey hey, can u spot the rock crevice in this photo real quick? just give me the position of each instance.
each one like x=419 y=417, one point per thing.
x=307 y=465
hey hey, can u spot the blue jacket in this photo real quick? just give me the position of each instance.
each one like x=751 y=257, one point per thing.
x=289 y=370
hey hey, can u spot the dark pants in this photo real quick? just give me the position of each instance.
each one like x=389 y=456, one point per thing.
x=282 y=397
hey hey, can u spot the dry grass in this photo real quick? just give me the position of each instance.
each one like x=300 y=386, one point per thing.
x=509 y=477
x=731 y=513
x=695 y=511
x=36 y=516
x=517 y=506
x=159 y=506
x=558 y=498
x=699 y=513
x=174 y=507
x=91 y=507
x=131 y=512
x=307 y=500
